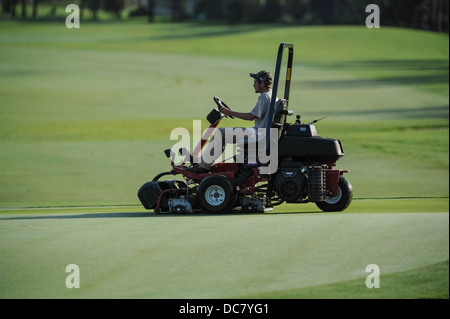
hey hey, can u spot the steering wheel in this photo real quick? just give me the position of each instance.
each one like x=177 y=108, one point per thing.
x=221 y=104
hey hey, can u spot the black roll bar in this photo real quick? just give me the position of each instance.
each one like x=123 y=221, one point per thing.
x=287 y=86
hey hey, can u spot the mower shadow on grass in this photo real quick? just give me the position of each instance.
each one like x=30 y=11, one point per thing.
x=76 y=216
x=139 y=215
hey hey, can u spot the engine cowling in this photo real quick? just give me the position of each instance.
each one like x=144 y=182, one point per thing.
x=302 y=144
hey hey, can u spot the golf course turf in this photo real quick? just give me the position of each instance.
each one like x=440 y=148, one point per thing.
x=86 y=114
x=129 y=253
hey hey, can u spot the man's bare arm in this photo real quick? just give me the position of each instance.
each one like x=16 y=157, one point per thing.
x=242 y=116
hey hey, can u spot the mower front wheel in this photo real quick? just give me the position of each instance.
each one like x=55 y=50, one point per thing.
x=216 y=194
x=341 y=201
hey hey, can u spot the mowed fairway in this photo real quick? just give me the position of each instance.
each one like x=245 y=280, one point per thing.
x=86 y=114
x=124 y=253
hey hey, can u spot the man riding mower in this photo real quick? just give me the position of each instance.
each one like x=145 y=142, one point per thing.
x=277 y=162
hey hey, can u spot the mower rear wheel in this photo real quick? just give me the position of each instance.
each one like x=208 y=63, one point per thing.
x=216 y=194
x=341 y=201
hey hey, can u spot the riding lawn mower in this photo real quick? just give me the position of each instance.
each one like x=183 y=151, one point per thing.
x=305 y=169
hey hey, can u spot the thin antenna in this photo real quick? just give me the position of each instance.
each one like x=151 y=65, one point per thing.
x=344 y=109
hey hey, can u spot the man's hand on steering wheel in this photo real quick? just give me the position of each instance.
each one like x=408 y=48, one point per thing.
x=222 y=106
x=226 y=111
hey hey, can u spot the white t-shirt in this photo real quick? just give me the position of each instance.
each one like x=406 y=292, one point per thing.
x=261 y=108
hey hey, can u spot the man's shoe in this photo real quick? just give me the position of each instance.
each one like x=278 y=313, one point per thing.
x=197 y=169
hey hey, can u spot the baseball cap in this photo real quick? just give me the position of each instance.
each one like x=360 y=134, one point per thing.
x=262 y=76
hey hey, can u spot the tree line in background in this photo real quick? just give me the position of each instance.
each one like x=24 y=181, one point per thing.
x=419 y=14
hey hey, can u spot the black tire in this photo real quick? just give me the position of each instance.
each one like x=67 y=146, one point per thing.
x=216 y=194
x=341 y=201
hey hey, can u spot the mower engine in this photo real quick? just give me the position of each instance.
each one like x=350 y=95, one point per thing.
x=295 y=184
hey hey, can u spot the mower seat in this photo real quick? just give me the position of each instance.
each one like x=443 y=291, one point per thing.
x=280 y=108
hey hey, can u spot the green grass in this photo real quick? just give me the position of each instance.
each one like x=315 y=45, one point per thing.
x=85 y=115
x=82 y=109
x=429 y=282
x=127 y=253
